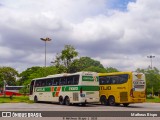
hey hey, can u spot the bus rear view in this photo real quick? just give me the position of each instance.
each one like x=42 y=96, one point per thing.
x=138 y=88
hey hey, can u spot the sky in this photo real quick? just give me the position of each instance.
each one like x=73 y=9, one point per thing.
x=118 y=33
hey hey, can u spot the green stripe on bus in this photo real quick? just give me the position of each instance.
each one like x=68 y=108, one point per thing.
x=77 y=88
x=90 y=88
x=71 y=88
x=53 y=94
x=87 y=78
x=90 y=78
x=55 y=88
x=43 y=89
x=68 y=88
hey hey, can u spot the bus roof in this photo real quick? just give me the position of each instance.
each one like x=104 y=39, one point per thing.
x=67 y=74
x=113 y=73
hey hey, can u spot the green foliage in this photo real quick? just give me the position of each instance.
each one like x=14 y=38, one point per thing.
x=36 y=72
x=9 y=75
x=24 y=90
x=95 y=69
x=111 y=69
x=153 y=99
x=152 y=79
x=65 y=58
x=26 y=74
x=85 y=63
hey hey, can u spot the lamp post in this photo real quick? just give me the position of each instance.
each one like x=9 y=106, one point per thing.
x=45 y=40
x=4 y=88
x=151 y=56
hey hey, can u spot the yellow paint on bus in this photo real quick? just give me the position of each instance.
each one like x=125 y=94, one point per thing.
x=122 y=88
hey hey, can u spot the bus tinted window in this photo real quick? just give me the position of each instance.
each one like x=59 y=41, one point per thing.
x=49 y=82
x=55 y=81
x=72 y=80
x=38 y=83
x=63 y=81
x=116 y=79
x=104 y=80
x=76 y=79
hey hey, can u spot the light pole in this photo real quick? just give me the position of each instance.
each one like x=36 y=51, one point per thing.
x=151 y=56
x=45 y=40
x=4 y=88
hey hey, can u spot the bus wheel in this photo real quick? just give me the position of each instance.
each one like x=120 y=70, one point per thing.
x=83 y=104
x=61 y=101
x=67 y=101
x=103 y=100
x=125 y=104
x=117 y=104
x=111 y=101
x=35 y=99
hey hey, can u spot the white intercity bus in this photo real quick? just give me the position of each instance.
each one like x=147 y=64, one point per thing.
x=80 y=88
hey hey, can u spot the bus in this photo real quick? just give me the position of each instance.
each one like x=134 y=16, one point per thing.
x=11 y=90
x=122 y=88
x=66 y=88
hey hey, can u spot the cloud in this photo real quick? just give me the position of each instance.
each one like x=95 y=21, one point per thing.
x=120 y=37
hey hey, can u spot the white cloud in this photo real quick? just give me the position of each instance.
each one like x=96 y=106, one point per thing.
x=95 y=30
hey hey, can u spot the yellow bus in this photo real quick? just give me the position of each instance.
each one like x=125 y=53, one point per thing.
x=122 y=88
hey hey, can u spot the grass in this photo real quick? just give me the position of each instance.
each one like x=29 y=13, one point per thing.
x=15 y=99
x=153 y=99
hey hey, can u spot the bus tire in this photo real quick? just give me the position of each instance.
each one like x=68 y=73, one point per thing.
x=61 y=101
x=35 y=99
x=83 y=104
x=117 y=104
x=103 y=100
x=125 y=104
x=67 y=101
x=111 y=101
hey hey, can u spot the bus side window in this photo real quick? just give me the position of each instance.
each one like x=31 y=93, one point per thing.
x=76 y=79
x=43 y=83
x=69 y=80
x=56 y=81
x=37 y=83
x=49 y=82
x=115 y=79
x=101 y=80
x=63 y=81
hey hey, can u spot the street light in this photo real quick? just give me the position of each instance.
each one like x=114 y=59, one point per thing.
x=151 y=56
x=45 y=40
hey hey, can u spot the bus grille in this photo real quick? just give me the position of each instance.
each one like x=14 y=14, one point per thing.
x=123 y=96
x=75 y=96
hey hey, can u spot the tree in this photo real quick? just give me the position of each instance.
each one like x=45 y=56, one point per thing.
x=152 y=79
x=95 y=69
x=36 y=72
x=65 y=58
x=8 y=75
x=83 y=63
x=111 y=69
x=26 y=74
